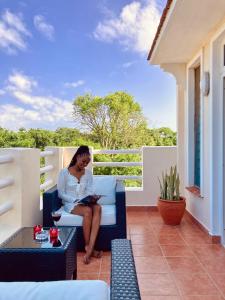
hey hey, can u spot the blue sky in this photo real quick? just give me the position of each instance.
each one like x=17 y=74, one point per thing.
x=53 y=51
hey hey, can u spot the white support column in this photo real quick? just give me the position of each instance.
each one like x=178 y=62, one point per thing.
x=55 y=160
x=181 y=137
x=24 y=193
x=179 y=72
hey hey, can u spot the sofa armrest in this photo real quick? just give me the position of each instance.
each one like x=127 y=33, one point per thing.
x=124 y=284
x=51 y=202
x=121 y=207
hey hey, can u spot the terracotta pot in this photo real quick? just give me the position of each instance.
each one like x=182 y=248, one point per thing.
x=171 y=211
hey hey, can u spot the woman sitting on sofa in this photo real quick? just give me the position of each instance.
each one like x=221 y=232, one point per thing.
x=74 y=184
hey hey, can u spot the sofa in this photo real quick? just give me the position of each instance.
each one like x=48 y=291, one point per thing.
x=113 y=220
x=124 y=284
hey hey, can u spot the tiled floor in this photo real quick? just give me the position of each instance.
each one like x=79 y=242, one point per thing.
x=172 y=263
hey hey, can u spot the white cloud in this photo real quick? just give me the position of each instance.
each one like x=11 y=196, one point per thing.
x=19 y=81
x=128 y=64
x=13 y=33
x=74 y=84
x=43 y=27
x=33 y=110
x=2 y=92
x=134 y=28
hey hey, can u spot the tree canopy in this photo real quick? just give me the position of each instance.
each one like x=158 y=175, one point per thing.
x=115 y=121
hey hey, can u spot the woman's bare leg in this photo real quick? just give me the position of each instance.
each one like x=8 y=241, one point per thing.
x=96 y=218
x=86 y=213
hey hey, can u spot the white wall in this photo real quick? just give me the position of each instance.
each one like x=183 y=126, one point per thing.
x=208 y=208
x=24 y=193
x=155 y=161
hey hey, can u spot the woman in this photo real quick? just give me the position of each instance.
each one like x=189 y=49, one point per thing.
x=75 y=183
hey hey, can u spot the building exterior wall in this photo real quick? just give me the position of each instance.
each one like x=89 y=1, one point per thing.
x=208 y=208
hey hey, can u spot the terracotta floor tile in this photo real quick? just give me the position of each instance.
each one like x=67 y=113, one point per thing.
x=197 y=284
x=213 y=264
x=160 y=298
x=151 y=264
x=105 y=277
x=106 y=253
x=93 y=267
x=140 y=229
x=176 y=250
x=212 y=250
x=191 y=239
x=219 y=279
x=105 y=264
x=88 y=276
x=136 y=219
x=160 y=248
x=202 y=298
x=157 y=284
x=146 y=250
x=171 y=239
x=164 y=229
x=142 y=239
x=184 y=264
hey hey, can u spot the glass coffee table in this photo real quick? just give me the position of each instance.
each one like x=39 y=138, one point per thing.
x=22 y=258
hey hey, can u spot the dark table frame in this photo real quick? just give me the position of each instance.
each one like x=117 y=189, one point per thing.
x=39 y=264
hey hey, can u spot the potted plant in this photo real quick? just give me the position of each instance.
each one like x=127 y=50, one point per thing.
x=170 y=204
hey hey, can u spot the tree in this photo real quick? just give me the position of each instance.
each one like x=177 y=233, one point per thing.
x=115 y=121
x=42 y=138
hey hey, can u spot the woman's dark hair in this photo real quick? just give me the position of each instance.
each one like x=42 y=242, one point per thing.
x=82 y=150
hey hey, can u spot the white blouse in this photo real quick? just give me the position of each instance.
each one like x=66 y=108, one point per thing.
x=70 y=190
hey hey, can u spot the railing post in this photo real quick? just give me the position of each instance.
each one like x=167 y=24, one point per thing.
x=55 y=160
x=23 y=193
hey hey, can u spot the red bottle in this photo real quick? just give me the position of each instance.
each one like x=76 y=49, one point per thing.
x=36 y=229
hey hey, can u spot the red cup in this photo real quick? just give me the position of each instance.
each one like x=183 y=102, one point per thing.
x=36 y=229
x=54 y=233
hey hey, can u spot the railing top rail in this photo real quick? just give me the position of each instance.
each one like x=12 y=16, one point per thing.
x=4 y=159
x=46 y=153
x=46 y=184
x=6 y=182
x=46 y=169
x=119 y=151
x=5 y=207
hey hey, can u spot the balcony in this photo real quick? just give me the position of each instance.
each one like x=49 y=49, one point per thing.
x=171 y=262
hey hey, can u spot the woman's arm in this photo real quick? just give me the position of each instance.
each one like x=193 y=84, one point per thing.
x=61 y=186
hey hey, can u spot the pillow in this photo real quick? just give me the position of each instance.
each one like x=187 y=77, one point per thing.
x=57 y=290
x=105 y=185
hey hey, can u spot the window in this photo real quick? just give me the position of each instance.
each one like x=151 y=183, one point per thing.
x=197 y=129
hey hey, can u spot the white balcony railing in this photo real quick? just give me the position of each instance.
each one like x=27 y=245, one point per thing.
x=120 y=164
x=20 y=180
x=43 y=170
x=6 y=205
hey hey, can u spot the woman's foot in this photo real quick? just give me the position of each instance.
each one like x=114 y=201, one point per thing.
x=97 y=254
x=87 y=256
x=86 y=259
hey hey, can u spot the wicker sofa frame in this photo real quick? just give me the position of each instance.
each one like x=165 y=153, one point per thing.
x=124 y=284
x=107 y=233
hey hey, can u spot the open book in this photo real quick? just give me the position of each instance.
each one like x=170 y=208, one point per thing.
x=89 y=199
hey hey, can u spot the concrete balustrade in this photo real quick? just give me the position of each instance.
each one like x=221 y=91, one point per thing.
x=20 y=196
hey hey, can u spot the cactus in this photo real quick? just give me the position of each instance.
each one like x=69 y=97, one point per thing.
x=170 y=185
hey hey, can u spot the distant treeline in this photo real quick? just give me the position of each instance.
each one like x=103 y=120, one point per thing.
x=40 y=138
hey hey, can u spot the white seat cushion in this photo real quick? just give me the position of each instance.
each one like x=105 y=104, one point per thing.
x=108 y=217
x=105 y=185
x=57 y=290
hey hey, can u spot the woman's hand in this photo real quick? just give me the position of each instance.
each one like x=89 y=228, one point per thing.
x=96 y=197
